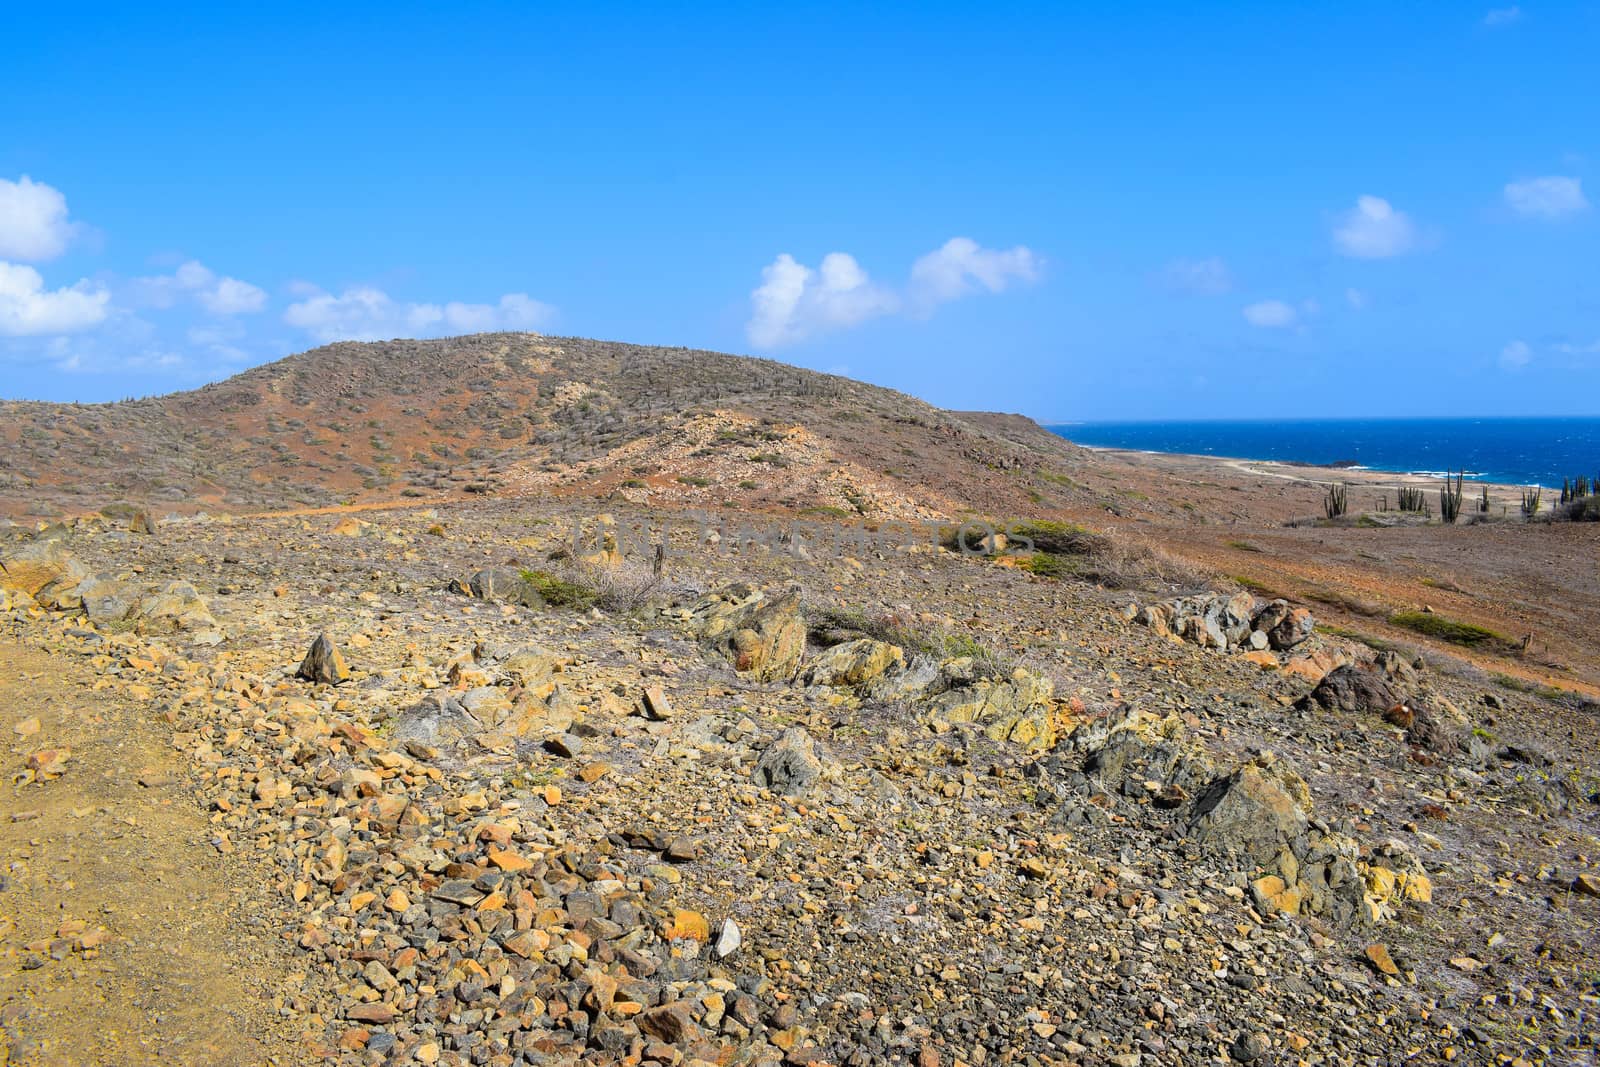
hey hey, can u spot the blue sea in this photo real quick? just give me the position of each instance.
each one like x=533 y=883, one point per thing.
x=1516 y=451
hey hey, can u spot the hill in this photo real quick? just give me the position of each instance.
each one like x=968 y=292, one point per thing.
x=519 y=413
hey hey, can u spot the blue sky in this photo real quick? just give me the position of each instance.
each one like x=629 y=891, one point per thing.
x=1117 y=211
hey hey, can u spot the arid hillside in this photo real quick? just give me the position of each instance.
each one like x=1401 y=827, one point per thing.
x=352 y=423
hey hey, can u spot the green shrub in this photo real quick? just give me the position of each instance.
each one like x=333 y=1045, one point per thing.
x=1451 y=630
x=1058 y=538
x=560 y=592
x=1047 y=565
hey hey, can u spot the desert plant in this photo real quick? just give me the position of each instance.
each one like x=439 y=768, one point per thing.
x=1451 y=630
x=1410 y=499
x=1483 y=500
x=1335 y=502
x=1450 y=496
x=1530 y=501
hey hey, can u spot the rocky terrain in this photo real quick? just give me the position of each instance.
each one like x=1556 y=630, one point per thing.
x=680 y=775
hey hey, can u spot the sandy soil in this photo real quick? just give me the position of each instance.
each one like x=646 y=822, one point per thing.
x=125 y=939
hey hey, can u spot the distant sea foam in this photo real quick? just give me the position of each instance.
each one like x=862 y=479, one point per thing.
x=1517 y=451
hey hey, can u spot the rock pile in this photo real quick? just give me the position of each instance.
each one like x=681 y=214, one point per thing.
x=1238 y=621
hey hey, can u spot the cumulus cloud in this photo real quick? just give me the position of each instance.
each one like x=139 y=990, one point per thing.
x=194 y=280
x=365 y=313
x=27 y=308
x=1553 y=197
x=1515 y=355
x=1373 y=229
x=1502 y=16
x=33 y=221
x=960 y=267
x=1198 y=277
x=794 y=301
x=1271 y=314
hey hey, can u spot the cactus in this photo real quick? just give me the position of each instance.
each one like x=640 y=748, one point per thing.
x=1411 y=499
x=1530 y=501
x=1483 y=501
x=1450 y=495
x=1334 y=503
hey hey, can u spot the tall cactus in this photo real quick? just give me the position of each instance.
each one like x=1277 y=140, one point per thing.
x=1530 y=501
x=1450 y=494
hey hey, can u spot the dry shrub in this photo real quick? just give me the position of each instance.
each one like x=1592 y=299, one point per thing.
x=1123 y=561
x=620 y=587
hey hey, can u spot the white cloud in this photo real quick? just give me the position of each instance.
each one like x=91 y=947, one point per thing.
x=1547 y=198
x=365 y=313
x=1271 y=314
x=1515 y=355
x=194 y=280
x=1356 y=299
x=33 y=221
x=960 y=266
x=1503 y=16
x=1374 y=230
x=794 y=301
x=27 y=308
x=1569 y=349
x=1198 y=277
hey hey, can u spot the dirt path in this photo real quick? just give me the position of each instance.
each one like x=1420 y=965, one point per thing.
x=121 y=938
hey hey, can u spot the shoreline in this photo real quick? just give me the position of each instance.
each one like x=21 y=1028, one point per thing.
x=1314 y=473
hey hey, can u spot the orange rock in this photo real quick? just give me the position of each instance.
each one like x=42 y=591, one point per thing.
x=1381 y=961
x=688 y=925
x=1263 y=659
x=508 y=861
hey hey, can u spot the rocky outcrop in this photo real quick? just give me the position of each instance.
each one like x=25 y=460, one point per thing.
x=854 y=663
x=46 y=572
x=1258 y=814
x=1229 y=621
x=764 y=636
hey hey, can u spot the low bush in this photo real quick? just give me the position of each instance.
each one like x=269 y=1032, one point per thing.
x=1451 y=630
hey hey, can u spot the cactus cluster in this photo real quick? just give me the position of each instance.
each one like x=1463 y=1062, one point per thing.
x=1411 y=499
x=1335 y=503
x=1530 y=501
x=1578 y=488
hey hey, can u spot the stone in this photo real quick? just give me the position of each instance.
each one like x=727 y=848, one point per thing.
x=178 y=606
x=688 y=925
x=323 y=664
x=793 y=764
x=1259 y=810
x=672 y=1023
x=1587 y=885
x=564 y=745
x=1378 y=956
x=728 y=939
x=763 y=636
x=1352 y=689
x=854 y=663
x=107 y=600
x=46 y=572
x=656 y=704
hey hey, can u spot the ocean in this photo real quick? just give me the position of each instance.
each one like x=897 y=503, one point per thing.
x=1516 y=451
